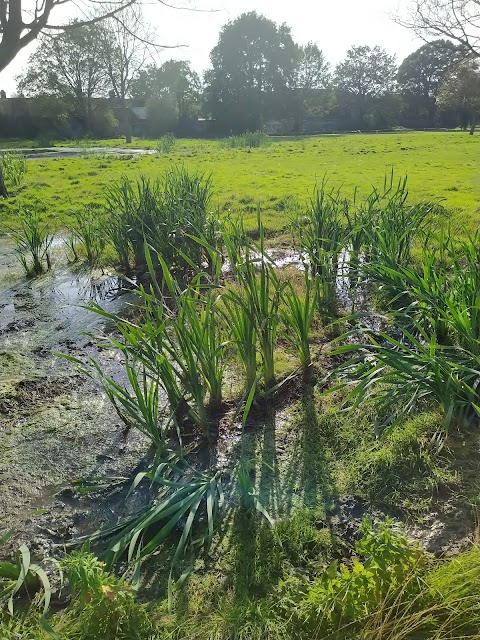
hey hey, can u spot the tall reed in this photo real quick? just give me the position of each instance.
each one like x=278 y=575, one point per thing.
x=167 y=212
x=298 y=314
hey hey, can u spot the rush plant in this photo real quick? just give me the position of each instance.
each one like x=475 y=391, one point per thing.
x=298 y=314
x=260 y=298
x=32 y=241
x=87 y=231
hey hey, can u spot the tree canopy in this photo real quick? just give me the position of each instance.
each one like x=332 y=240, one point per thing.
x=254 y=59
x=258 y=76
x=69 y=65
x=173 y=80
x=460 y=90
x=420 y=74
x=366 y=74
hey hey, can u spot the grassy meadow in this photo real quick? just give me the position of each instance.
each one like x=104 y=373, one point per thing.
x=312 y=438
x=441 y=166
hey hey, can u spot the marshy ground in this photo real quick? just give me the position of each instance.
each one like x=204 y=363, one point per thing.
x=317 y=470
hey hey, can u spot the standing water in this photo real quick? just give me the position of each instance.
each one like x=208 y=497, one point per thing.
x=55 y=425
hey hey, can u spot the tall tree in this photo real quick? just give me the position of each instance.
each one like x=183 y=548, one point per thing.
x=253 y=69
x=458 y=20
x=366 y=74
x=312 y=83
x=69 y=66
x=173 y=79
x=126 y=48
x=421 y=72
x=313 y=71
x=20 y=25
x=460 y=90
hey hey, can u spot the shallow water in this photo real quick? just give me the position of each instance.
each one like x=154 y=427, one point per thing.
x=76 y=152
x=55 y=425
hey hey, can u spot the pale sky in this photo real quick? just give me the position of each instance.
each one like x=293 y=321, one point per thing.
x=335 y=25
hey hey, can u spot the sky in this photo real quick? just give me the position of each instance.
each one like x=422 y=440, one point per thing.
x=335 y=25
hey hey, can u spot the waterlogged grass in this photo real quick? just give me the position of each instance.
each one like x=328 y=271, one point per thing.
x=443 y=166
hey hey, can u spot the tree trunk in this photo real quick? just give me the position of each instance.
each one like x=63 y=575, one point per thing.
x=3 y=188
x=126 y=122
x=473 y=124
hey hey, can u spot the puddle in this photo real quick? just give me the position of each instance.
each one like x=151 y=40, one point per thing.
x=77 y=152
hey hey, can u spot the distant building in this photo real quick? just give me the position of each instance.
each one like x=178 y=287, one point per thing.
x=204 y=127
x=139 y=119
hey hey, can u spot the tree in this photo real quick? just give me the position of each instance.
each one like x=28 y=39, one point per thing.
x=174 y=79
x=312 y=81
x=366 y=74
x=421 y=72
x=253 y=71
x=125 y=48
x=460 y=90
x=458 y=20
x=68 y=66
x=313 y=71
x=20 y=25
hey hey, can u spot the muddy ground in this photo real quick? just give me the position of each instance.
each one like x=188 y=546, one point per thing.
x=56 y=426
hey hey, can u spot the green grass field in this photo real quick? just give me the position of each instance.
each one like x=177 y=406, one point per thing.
x=441 y=166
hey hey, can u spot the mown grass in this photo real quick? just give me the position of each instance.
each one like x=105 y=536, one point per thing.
x=441 y=165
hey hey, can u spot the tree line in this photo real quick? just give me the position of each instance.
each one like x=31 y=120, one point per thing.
x=86 y=80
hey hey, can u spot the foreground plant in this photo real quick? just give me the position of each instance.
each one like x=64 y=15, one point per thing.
x=320 y=235
x=393 y=226
x=259 y=296
x=298 y=315
x=32 y=241
x=183 y=494
x=22 y=576
x=87 y=231
x=441 y=292
x=397 y=374
x=167 y=212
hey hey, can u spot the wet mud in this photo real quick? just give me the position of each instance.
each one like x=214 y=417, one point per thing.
x=55 y=425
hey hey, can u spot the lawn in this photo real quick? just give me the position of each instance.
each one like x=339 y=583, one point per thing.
x=443 y=166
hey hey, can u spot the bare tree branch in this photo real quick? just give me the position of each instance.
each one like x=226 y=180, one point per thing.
x=458 y=20
x=19 y=26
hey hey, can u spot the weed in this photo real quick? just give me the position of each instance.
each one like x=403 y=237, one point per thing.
x=14 y=166
x=248 y=140
x=87 y=232
x=165 y=144
x=398 y=374
x=320 y=235
x=260 y=299
x=166 y=213
x=298 y=315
